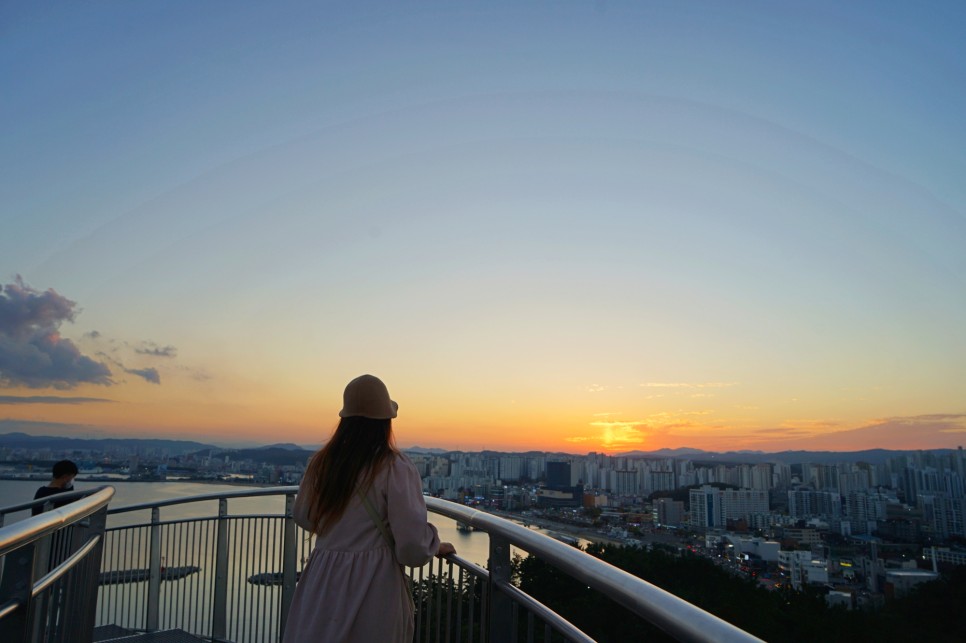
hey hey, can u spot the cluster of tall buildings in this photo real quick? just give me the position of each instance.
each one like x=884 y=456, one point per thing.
x=907 y=496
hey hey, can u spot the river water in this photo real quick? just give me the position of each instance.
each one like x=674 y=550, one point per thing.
x=472 y=546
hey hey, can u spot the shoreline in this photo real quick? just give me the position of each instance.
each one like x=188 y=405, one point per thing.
x=234 y=483
x=566 y=529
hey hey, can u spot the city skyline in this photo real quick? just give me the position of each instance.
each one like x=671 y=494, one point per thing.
x=594 y=227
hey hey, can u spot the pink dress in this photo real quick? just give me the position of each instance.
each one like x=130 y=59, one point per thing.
x=351 y=589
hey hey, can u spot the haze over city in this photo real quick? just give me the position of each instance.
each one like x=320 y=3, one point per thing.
x=558 y=226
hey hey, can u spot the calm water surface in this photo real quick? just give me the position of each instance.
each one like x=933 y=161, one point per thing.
x=472 y=546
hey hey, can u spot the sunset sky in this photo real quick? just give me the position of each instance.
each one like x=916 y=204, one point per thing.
x=576 y=226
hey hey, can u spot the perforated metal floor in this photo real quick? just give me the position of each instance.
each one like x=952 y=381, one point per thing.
x=108 y=632
x=121 y=635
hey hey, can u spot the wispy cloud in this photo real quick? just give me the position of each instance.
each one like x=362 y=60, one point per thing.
x=596 y=388
x=904 y=432
x=32 y=351
x=50 y=399
x=811 y=424
x=782 y=431
x=148 y=374
x=920 y=419
x=618 y=424
x=154 y=350
x=689 y=384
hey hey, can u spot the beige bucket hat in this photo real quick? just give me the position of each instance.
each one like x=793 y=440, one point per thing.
x=368 y=397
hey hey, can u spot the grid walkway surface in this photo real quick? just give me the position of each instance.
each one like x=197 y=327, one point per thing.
x=115 y=634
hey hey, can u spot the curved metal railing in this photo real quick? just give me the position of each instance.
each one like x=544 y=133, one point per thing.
x=50 y=563
x=230 y=576
x=677 y=617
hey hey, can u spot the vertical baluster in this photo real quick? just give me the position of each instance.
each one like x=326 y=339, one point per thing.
x=439 y=597
x=275 y=559
x=233 y=626
x=40 y=605
x=185 y=585
x=516 y=622
x=96 y=526
x=449 y=599
x=499 y=604
x=289 y=562
x=133 y=610
x=167 y=561
x=169 y=533
x=253 y=546
x=220 y=604
x=472 y=613
x=428 y=591
x=209 y=587
x=154 y=571
x=484 y=607
x=125 y=609
x=459 y=605
x=418 y=602
x=187 y=602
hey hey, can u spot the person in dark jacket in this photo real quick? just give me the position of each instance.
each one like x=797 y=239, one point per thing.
x=63 y=481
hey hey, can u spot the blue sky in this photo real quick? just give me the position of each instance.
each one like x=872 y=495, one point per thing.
x=516 y=213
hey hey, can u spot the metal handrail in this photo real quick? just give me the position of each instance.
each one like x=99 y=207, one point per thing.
x=8 y=608
x=67 y=496
x=677 y=617
x=50 y=566
x=31 y=529
x=216 y=495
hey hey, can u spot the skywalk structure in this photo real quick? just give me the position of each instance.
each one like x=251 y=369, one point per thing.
x=86 y=572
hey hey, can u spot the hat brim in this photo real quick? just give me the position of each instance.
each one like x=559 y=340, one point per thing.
x=395 y=411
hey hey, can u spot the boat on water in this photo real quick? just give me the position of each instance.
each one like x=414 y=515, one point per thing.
x=269 y=578
x=141 y=575
x=464 y=527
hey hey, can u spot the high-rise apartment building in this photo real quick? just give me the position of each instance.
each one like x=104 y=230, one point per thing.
x=558 y=475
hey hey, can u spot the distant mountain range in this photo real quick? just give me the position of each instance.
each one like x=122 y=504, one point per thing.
x=285 y=445
x=426 y=450
x=55 y=443
x=285 y=453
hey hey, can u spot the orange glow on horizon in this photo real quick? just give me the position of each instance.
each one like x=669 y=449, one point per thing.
x=578 y=424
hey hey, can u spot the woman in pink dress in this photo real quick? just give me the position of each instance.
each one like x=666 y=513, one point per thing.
x=352 y=587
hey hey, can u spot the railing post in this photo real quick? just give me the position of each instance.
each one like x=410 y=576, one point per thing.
x=17 y=583
x=43 y=563
x=154 y=573
x=289 y=561
x=79 y=601
x=499 y=619
x=219 y=615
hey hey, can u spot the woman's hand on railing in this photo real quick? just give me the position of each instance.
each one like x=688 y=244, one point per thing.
x=445 y=549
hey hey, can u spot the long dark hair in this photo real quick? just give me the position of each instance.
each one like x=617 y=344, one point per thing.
x=358 y=450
